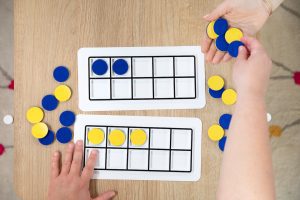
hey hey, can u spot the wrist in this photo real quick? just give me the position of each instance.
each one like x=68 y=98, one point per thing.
x=250 y=96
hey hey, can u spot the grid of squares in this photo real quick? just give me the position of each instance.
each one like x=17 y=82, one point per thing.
x=147 y=78
x=166 y=150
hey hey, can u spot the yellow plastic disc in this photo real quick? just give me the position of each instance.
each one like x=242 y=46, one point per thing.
x=35 y=115
x=116 y=137
x=229 y=97
x=210 y=30
x=62 y=93
x=215 y=83
x=215 y=132
x=233 y=34
x=138 y=137
x=96 y=136
x=275 y=130
x=39 y=130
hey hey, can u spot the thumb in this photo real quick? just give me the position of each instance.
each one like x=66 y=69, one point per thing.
x=243 y=54
x=218 y=12
x=106 y=195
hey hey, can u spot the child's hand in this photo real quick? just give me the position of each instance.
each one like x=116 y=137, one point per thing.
x=251 y=70
x=247 y=15
x=69 y=183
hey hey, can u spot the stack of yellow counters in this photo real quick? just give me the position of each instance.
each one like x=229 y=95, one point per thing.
x=227 y=39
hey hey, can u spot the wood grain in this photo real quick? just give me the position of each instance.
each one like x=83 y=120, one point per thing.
x=48 y=33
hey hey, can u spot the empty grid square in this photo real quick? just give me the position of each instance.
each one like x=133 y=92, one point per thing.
x=127 y=74
x=185 y=88
x=142 y=88
x=184 y=66
x=159 y=160
x=102 y=144
x=160 y=138
x=146 y=130
x=181 y=139
x=121 y=88
x=100 y=162
x=116 y=158
x=163 y=66
x=100 y=89
x=163 y=88
x=180 y=160
x=138 y=159
x=142 y=67
x=124 y=130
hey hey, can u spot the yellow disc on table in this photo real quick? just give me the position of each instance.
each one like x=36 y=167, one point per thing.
x=215 y=132
x=229 y=97
x=62 y=93
x=233 y=34
x=39 y=130
x=116 y=137
x=275 y=130
x=138 y=137
x=96 y=136
x=210 y=30
x=35 y=115
x=215 y=83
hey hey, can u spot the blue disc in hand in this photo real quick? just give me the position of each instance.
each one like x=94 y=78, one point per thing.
x=221 y=26
x=222 y=143
x=225 y=120
x=221 y=43
x=233 y=48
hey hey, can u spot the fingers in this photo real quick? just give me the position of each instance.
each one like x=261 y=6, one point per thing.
x=106 y=195
x=68 y=159
x=252 y=44
x=218 y=12
x=88 y=170
x=243 y=54
x=218 y=57
x=55 y=164
x=206 y=44
x=226 y=58
x=211 y=52
x=77 y=159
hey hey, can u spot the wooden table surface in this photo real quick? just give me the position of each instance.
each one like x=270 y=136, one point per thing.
x=48 y=33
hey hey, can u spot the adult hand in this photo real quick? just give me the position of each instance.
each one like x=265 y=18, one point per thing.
x=249 y=16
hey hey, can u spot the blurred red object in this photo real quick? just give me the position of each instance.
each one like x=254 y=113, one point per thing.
x=11 y=86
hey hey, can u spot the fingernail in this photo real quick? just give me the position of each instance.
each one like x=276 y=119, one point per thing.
x=112 y=194
x=79 y=143
x=55 y=154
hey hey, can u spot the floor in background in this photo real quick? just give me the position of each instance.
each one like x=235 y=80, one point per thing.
x=280 y=36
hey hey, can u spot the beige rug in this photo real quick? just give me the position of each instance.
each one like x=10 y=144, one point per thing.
x=281 y=37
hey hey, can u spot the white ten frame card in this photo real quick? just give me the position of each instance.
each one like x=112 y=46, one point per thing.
x=141 y=78
x=171 y=150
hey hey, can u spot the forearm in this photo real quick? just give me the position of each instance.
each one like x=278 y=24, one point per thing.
x=246 y=171
x=272 y=5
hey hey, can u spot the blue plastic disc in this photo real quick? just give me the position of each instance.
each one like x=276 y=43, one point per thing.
x=99 y=67
x=233 y=48
x=224 y=121
x=120 y=66
x=221 y=43
x=48 y=139
x=222 y=143
x=49 y=102
x=67 y=118
x=61 y=74
x=64 y=135
x=216 y=94
x=221 y=26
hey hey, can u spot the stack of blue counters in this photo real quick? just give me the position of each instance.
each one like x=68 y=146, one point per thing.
x=216 y=86
x=64 y=134
x=227 y=39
